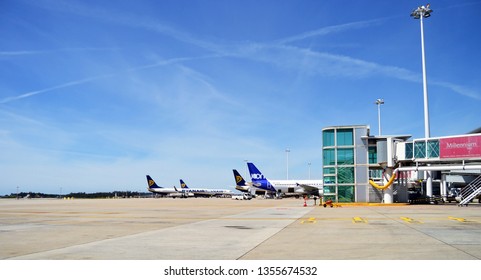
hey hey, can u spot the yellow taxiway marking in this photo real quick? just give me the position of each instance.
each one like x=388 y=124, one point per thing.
x=359 y=220
x=411 y=221
x=311 y=220
x=461 y=220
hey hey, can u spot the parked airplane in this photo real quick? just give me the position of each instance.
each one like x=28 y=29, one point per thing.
x=204 y=192
x=170 y=192
x=284 y=187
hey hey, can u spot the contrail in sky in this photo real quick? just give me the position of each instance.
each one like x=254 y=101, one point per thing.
x=32 y=93
x=330 y=29
x=86 y=80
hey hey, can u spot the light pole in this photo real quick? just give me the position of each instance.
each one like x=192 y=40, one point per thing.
x=287 y=162
x=420 y=13
x=309 y=164
x=378 y=103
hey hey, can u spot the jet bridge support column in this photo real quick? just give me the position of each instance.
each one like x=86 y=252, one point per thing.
x=387 y=193
x=444 y=189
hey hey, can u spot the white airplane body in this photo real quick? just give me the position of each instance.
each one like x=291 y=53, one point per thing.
x=285 y=187
x=300 y=187
x=204 y=192
x=170 y=192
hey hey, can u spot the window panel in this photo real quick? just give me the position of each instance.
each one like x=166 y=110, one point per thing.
x=329 y=189
x=329 y=170
x=345 y=193
x=409 y=151
x=344 y=137
x=433 y=148
x=345 y=156
x=372 y=154
x=345 y=175
x=329 y=157
x=420 y=149
x=328 y=138
x=329 y=180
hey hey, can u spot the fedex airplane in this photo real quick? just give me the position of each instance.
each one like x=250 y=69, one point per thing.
x=204 y=192
x=285 y=187
x=155 y=189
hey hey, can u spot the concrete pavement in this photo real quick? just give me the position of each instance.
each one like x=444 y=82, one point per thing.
x=225 y=229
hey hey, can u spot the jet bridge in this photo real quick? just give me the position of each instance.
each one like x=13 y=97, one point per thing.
x=445 y=154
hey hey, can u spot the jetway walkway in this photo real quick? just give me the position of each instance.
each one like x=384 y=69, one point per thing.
x=470 y=191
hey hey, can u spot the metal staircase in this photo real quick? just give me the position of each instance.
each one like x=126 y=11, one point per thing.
x=470 y=191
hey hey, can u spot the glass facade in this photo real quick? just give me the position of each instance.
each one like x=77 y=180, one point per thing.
x=329 y=157
x=372 y=155
x=328 y=138
x=345 y=137
x=423 y=149
x=328 y=180
x=409 y=153
x=329 y=170
x=433 y=148
x=339 y=164
x=420 y=149
x=375 y=173
x=345 y=175
x=329 y=189
x=345 y=156
x=346 y=194
x=352 y=159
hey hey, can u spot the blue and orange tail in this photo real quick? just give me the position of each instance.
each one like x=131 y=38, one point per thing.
x=183 y=185
x=239 y=181
x=151 y=183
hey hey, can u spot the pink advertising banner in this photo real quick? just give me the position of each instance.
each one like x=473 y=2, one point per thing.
x=460 y=147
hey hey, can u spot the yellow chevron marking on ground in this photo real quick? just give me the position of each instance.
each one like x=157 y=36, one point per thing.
x=411 y=221
x=461 y=220
x=359 y=220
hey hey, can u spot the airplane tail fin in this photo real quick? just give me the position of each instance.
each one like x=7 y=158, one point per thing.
x=256 y=175
x=183 y=185
x=151 y=183
x=238 y=178
x=258 y=180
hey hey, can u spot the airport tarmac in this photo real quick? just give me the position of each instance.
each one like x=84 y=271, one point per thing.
x=225 y=229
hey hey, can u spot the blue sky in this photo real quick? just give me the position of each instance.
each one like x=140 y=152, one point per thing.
x=94 y=95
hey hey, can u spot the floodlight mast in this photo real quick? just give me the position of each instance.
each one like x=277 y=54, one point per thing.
x=420 y=13
x=287 y=162
x=378 y=102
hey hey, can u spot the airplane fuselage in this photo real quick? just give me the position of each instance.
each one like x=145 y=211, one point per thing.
x=301 y=187
x=290 y=186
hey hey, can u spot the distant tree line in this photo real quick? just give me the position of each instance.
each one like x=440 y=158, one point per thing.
x=115 y=194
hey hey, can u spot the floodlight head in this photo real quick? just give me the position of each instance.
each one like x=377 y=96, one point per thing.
x=379 y=101
x=415 y=14
x=422 y=11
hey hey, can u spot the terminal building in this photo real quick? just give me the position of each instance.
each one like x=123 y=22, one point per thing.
x=359 y=167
